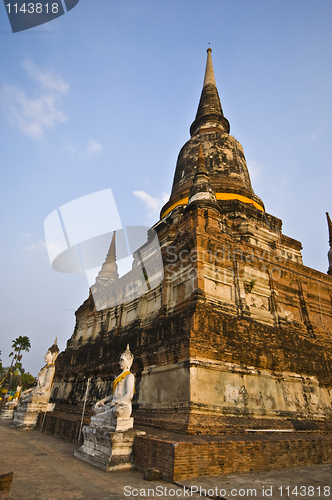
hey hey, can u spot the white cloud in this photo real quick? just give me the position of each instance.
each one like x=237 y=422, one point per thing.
x=153 y=205
x=36 y=247
x=47 y=80
x=93 y=147
x=33 y=116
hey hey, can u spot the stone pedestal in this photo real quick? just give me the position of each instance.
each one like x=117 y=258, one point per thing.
x=26 y=414
x=112 y=424
x=108 y=450
x=7 y=412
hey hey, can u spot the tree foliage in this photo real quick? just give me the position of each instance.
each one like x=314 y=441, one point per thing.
x=21 y=343
x=26 y=380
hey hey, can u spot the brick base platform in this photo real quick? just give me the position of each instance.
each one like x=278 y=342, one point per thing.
x=182 y=457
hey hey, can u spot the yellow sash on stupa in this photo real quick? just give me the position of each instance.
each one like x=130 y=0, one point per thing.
x=119 y=378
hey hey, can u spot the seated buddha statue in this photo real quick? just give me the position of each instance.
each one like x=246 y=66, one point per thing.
x=118 y=404
x=41 y=393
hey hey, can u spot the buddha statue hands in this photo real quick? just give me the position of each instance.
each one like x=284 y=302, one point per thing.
x=41 y=393
x=118 y=405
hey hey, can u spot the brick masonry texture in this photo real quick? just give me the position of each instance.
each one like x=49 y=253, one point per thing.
x=183 y=460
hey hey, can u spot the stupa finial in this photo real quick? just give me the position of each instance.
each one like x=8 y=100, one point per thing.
x=209 y=112
x=209 y=73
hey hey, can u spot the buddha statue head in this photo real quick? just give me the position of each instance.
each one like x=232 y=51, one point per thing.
x=126 y=359
x=52 y=353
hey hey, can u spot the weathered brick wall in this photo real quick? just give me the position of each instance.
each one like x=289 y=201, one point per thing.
x=244 y=341
x=185 y=460
x=166 y=340
x=245 y=456
x=175 y=420
x=209 y=424
x=187 y=421
x=154 y=453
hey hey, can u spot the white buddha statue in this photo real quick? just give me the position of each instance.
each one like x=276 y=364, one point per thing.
x=42 y=392
x=117 y=407
x=11 y=403
x=109 y=439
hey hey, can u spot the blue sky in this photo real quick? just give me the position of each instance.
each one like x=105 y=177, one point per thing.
x=103 y=97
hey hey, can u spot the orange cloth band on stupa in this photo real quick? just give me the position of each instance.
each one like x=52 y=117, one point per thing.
x=184 y=201
x=119 y=378
x=219 y=196
x=244 y=199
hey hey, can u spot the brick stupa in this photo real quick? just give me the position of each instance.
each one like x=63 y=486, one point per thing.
x=232 y=347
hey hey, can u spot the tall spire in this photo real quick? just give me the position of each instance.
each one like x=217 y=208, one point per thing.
x=109 y=270
x=225 y=163
x=209 y=113
x=111 y=256
x=329 y=223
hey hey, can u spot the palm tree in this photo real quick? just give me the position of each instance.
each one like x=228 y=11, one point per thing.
x=19 y=344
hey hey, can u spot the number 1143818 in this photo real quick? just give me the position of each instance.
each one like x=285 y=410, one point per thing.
x=302 y=491
x=31 y=8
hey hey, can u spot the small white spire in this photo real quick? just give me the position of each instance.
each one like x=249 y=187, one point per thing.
x=209 y=73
